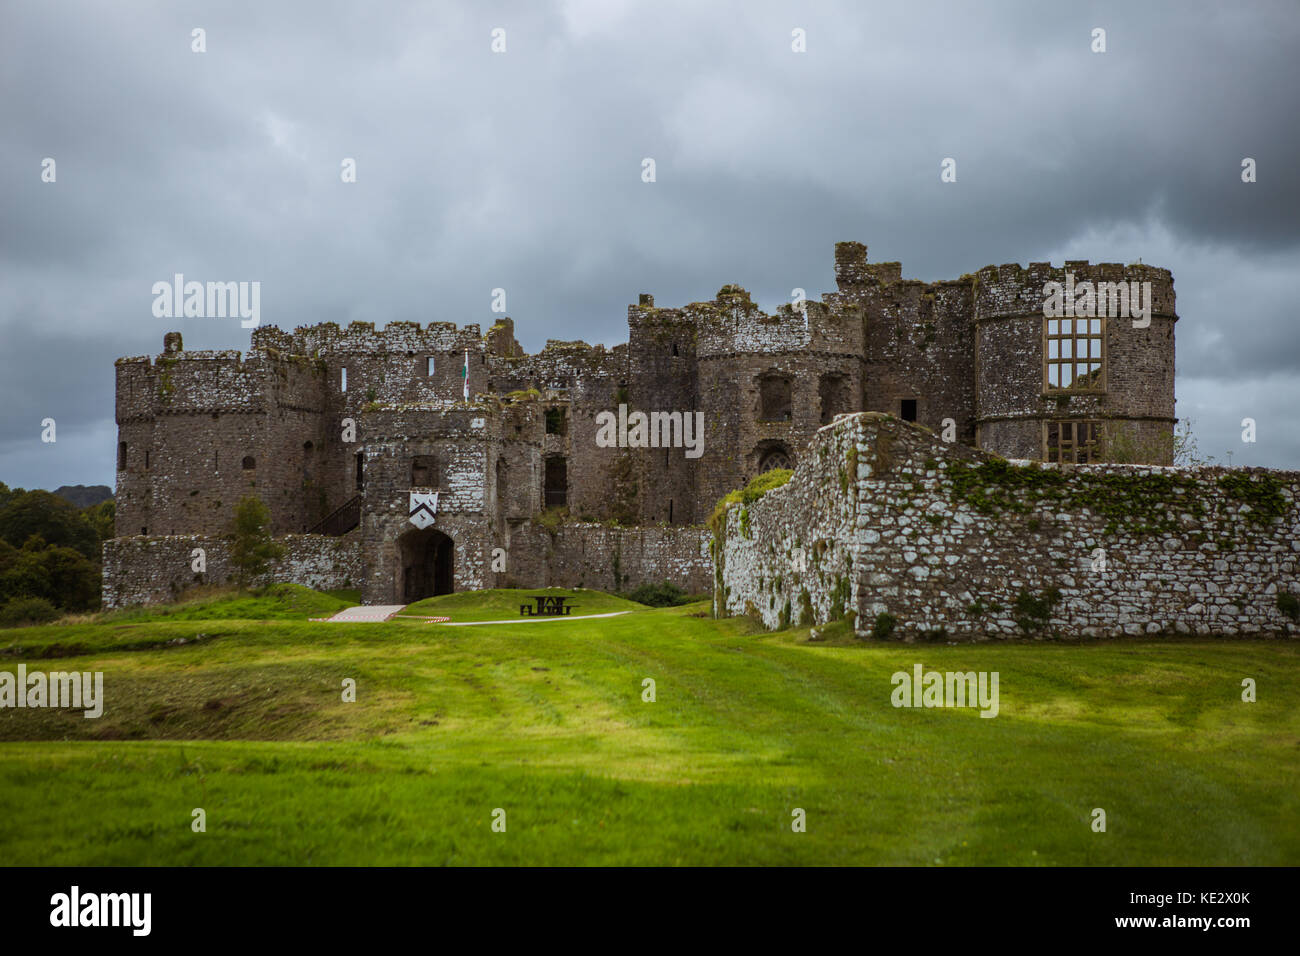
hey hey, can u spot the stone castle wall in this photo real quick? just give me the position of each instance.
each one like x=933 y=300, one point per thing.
x=149 y=570
x=313 y=418
x=955 y=543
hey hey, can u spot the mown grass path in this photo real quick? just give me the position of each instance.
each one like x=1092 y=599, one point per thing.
x=246 y=720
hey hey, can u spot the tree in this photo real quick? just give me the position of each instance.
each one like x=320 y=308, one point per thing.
x=60 y=523
x=253 y=549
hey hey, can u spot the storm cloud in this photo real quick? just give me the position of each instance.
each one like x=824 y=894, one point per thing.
x=522 y=170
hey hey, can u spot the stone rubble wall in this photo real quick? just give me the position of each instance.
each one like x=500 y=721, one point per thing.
x=609 y=558
x=954 y=543
x=150 y=570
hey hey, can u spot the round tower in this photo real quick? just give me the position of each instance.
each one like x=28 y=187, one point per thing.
x=1075 y=364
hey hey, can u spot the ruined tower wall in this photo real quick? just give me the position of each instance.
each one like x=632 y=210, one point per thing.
x=662 y=377
x=200 y=416
x=742 y=351
x=1013 y=402
x=463 y=443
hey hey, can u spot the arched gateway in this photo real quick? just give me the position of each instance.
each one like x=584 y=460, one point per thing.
x=428 y=564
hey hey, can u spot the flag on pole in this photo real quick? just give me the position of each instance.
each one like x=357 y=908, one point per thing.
x=464 y=373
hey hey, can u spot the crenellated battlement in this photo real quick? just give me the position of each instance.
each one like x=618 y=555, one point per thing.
x=327 y=419
x=1012 y=289
x=360 y=338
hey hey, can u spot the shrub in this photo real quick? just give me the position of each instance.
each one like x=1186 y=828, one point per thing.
x=253 y=549
x=883 y=627
x=24 y=611
x=659 y=595
x=1289 y=605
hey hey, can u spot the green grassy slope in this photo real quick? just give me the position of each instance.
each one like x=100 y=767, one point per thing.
x=503 y=604
x=547 y=722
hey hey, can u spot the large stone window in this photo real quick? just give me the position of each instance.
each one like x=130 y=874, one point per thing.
x=1072 y=442
x=1074 y=354
x=774 y=398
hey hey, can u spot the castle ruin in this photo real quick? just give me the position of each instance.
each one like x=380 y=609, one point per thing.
x=342 y=431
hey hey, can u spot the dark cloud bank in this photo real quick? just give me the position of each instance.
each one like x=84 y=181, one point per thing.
x=522 y=171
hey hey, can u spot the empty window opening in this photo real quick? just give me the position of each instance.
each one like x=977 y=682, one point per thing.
x=343 y=381
x=121 y=456
x=503 y=484
x=833 y=390
x=1073 y=354
x=557 y=482
x=1075 y=443
x=670 y=511
x=360 y=470
x=429 y=368
x=144 y=530
x=907 y=411
x=674 y=350
x=146 y=459
x=249 y=463
x=216 y=461
x=555 y=422
x=424 y=472
x=308 y=448
x=774 y=398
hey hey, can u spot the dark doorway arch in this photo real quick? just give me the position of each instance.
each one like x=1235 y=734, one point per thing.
x=428 y=564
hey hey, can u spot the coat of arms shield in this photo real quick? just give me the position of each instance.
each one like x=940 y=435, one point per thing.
x=424 y=505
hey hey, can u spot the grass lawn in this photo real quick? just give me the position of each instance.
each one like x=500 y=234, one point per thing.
x=546 y=721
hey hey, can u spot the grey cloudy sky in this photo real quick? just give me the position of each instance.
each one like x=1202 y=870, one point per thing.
x=522 y=171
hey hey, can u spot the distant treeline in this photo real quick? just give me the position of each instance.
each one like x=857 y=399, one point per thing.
x=49 y=554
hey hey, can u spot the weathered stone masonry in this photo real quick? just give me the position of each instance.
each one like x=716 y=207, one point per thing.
x=334 y=428
x=954 y=543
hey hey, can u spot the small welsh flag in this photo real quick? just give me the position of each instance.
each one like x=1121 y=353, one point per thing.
x=464 y=373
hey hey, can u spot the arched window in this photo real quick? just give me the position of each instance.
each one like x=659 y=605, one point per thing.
x=774 y=456
x=774 y=398
x=249 y=463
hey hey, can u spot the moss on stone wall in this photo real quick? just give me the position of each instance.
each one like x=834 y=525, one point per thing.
x=753 y=491
x=1263 y=493
x=1135 y=503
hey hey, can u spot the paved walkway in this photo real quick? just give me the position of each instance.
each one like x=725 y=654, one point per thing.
x=372 y=613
